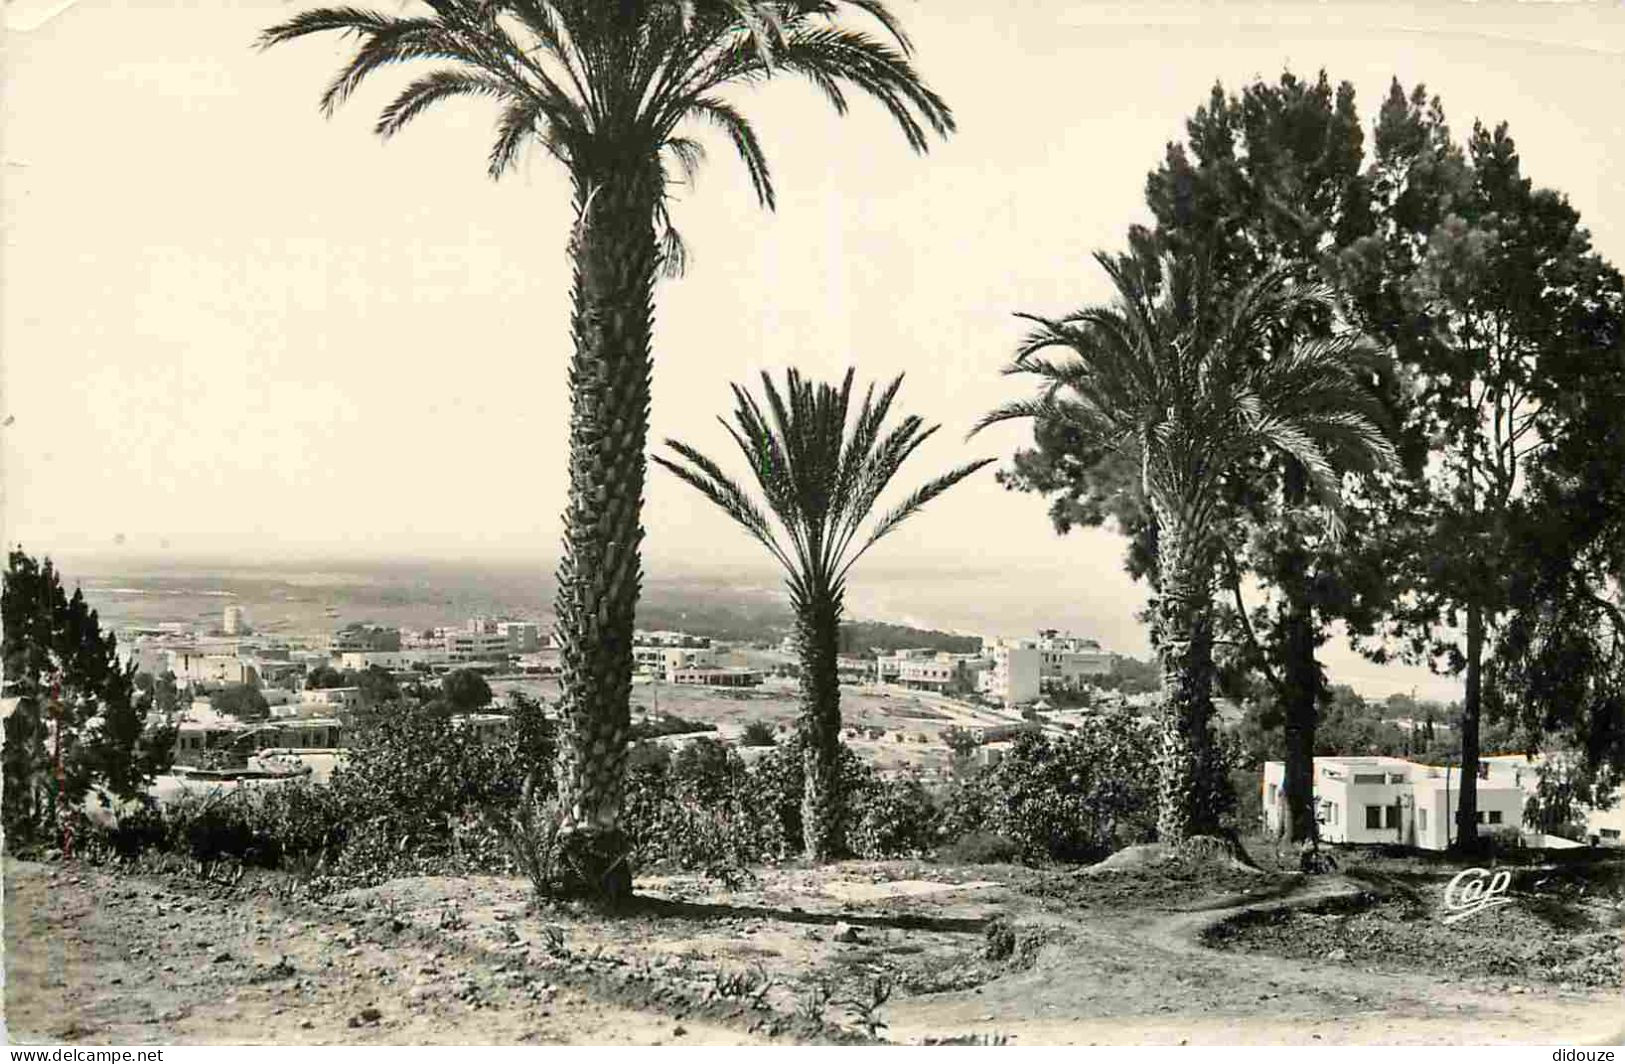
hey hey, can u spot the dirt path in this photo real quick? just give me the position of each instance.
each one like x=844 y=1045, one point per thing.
x=98 y=958
x=1149 y=980
x=94 y=958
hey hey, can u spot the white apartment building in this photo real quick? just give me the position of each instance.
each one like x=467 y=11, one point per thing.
x=361 y=660
x=1065 y=660
x=192 y=667
x=1016 y=676
x=476 y=646
x=1391 y=800
x=231 y=620
x=524 y=637
x=331 y=697
x=663 y=660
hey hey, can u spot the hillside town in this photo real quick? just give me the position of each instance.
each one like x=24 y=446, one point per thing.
x=311 y=686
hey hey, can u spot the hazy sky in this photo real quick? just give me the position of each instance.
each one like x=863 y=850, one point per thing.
x=233 y=327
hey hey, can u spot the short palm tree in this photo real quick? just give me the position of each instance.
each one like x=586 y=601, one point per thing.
x=821 y=478
x=1197 y=388
x=612 y=89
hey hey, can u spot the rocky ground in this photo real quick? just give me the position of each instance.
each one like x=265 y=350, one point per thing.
x=897 y=951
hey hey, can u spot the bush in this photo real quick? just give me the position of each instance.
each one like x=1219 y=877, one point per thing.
x=892 y=818
x=1075 y=798
x=758 y=733
x=980 y=847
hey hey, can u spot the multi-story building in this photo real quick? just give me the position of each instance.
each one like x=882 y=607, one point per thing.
x=663 y=661
x=231 y=621
x=476 y=646
x=524 y=637
x=1016 y=676
x=364 y=637
x=193 y=667
x=1065 y=660
x=1389 y=799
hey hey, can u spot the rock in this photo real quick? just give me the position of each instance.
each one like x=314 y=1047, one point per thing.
x=1338 y=954
x=845 y=932
x=679 y=1031
x=222 y=957
x=306 y=1025
x=371 y=1015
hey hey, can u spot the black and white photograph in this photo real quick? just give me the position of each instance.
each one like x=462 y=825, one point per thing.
x=607 y=523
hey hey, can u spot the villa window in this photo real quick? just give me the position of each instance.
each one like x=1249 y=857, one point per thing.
x=1495 y=816
x=1381 y=816
x=1421 y=819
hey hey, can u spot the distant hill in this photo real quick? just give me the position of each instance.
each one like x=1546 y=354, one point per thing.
x=862 y=637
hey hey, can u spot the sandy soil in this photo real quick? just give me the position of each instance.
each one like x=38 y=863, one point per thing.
x=1117 y=958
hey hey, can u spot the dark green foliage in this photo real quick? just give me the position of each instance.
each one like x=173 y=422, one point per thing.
x=980 y=847
x=242 y=701
x=79 y=726
x=323 y=678
x=894 y=817
x=865 y=637
x=465 y=691
x=962 y=741
x=1507 y=325
x=666 y=723
x=377 y=685
x=758 y=733
x=1076 y=798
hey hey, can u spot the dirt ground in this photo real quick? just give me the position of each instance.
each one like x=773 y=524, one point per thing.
x=898 y=951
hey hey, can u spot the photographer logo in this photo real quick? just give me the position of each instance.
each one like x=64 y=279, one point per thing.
x=1473 y=890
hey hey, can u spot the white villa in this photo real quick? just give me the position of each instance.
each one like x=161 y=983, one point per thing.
x=1389 y=799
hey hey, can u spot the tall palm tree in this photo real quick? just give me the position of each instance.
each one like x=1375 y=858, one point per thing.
x=821 y=477
x=612 y=89
x=1196 y=388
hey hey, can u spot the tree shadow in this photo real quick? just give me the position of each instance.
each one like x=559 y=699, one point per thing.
x=674 y=909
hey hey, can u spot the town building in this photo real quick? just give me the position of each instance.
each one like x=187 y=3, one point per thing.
x=524 y=637
x=393 y=660
x=195 y=667
x=669 y=639
x=1016 y=676
x=231 y=621
x=476 y=646
x=1066 y=661
x=364 y=637
x=664 y=660
x=716 y=676
x=332 y=697
x=1391 y=800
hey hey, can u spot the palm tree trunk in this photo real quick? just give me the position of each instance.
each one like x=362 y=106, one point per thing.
x=1185 y=650
x=600 y=575
x=823 y=806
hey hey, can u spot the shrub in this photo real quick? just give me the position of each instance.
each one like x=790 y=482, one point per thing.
x=892 y=818
x=758 y=733
x=1075 y=798
x=962 y=741
x=980 y=847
